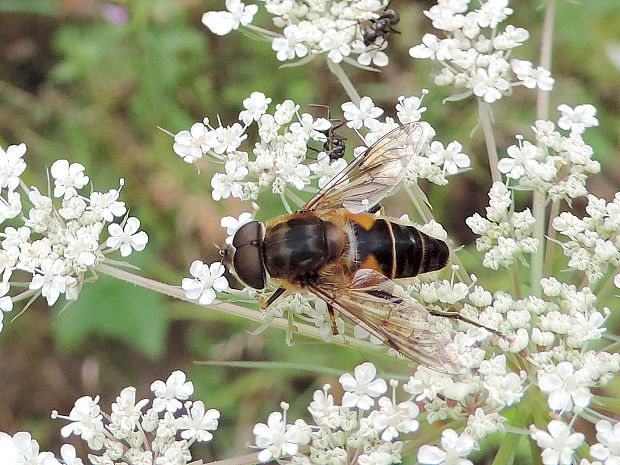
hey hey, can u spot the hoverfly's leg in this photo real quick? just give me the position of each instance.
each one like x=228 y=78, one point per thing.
x=458 y=316
x=377 y=208
x=330 y=309
x=272 y=298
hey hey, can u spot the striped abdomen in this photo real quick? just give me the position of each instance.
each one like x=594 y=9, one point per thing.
x=397 y=250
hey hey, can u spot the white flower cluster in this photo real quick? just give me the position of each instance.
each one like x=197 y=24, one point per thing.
x=22 y=449
x=476 y=398
x=161 y=435
x=353 y=432
x=341 y=30
x=307 y=308
x=554 y=332
x=593 y=243
x=475 y=55
x=57 y=241
x=559 y=444
x=279 y=160
x=504 y=233
x=366 y=426
x=558 y=165
x=278 y=156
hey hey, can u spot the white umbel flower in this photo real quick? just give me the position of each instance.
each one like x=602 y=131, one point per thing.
x=86 y=419
x=232 y=224
x=450 y=157
x=50 y=279
x=22 y=449
x=223 y=22
x=577 y=119
x=12 y=166
x=127 y=238
x=454 y=449
x=67 y=178
x=608 y=446
x=207 y=279
x=274 y=438
x=358 y=116
x=169 y=394
x=198 y=422
x=125 y=411
x=558 y=444
x=362 y=387
x=566 y=387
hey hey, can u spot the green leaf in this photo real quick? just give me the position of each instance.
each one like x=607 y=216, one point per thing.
x=116 y=309
x=36 y=7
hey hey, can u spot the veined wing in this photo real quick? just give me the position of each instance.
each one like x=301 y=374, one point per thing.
x=369 y=301
x=375 y=174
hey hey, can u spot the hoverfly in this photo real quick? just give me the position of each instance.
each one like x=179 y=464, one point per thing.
x=337 y=248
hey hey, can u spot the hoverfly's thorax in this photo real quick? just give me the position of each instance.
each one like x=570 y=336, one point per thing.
x=299 y=246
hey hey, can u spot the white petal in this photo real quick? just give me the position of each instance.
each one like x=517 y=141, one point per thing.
x=219 y=22
x=431 y=455
x=59 y=169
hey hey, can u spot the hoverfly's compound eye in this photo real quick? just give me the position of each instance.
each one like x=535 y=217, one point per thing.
x=248 y=259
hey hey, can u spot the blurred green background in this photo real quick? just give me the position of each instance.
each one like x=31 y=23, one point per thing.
x=89 y=81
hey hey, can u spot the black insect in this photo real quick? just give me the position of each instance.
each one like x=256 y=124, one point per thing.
x=335 y=144
x=381 y=27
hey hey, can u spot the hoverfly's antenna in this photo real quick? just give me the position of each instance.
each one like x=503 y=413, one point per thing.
x=224 y=254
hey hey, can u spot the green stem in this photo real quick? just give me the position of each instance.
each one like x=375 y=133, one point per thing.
x=484 y=116
x=546 y=47
x=516 y=280
x=609 y=404
x=550 y=240
x=608 y=285
x=260 y=30
x=535 y=453
x=337 y=70
x=418 y=199
x=247 y=459
x=523 y=416
x=538 y=257
x=542 y=113
x=228 y=308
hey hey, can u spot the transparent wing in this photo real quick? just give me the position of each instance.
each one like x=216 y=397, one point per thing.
x=375 y=174
x=409 y=328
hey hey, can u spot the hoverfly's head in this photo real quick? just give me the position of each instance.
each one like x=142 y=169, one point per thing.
x=245 y=255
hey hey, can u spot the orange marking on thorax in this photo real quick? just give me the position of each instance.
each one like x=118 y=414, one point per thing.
x=365 y=220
